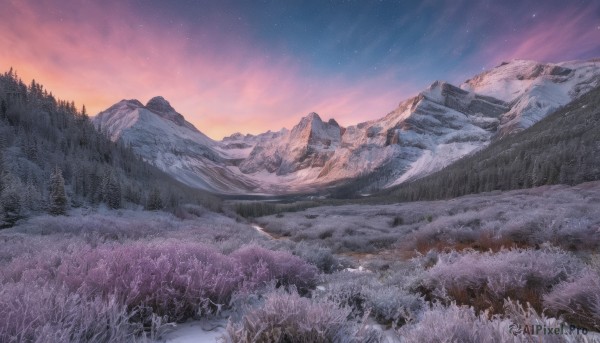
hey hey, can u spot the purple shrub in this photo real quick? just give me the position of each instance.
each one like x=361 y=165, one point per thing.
x=261 y=265
x=578 y=301
x=172 y=280
x=484 y=280
x=51 y=314
x=290 y=318
x=462 y=324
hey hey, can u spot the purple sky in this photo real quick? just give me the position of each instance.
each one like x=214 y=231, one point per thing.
x=251 y=66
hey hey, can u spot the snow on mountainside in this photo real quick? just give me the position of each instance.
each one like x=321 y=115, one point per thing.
x=533 y=89
x=422 y=135
x=308 y=145
x=239 y=146
x=441 y=119
x=163 y=137
x=443 y=122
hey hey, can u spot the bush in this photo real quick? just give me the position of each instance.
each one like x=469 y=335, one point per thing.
x=320 y=257
x=364 y=293
x=261 y=265
x=392 y=305
x=33 y=313
x=462 y=324
x=484 y=280
x=170 y=280
x=577 y=301
x=288 y=318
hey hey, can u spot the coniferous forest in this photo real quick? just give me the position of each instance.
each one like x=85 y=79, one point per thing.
x=563 y=148
x=52 y=158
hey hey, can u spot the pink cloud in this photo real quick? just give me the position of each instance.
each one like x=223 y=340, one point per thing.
x=98 y=53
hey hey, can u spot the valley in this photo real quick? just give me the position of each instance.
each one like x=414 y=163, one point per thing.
x=458 y=211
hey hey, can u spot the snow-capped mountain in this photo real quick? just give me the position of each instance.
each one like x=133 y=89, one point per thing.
x=308 y=145
x=164 y=138
x=422 y=135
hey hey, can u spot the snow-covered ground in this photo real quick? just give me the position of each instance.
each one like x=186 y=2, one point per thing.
x=202 y=331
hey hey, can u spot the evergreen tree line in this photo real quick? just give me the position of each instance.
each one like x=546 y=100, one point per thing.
x=52 y=158
x=563 y=148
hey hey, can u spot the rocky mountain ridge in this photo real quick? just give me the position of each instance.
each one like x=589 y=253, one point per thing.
x=423 y=134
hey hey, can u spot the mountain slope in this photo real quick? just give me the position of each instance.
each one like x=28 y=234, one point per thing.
x=439 y=125
x=164 y=138
x=308 y=145
x=562 y=148
x=534 y=89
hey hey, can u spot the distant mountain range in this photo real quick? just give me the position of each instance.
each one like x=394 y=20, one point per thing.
x=422 y=135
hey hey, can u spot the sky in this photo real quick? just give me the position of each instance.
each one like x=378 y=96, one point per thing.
x=250 y=66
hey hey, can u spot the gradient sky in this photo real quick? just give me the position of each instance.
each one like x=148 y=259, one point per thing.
x=250 y=66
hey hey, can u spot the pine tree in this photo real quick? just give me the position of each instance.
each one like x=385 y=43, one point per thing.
x=31 y=197
x=58 y=198
x=111 y=191
x=3 y=109
x=154 y=201
x=10 y=197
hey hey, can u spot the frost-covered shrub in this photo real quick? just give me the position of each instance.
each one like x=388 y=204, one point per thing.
x=173 y=280
x=484 y=280
x=461 y=324
x=578 y=301
x=261 y=265
x=346 y=288
x=289 y=318
x=315 y=254
x=391 y=304
x=364 y=293
x=320 y=257
x=125 y=225
x=33 y=313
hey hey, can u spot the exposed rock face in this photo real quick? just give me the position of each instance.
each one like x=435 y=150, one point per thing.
x=308 y=145
x=534 y=89
x=163 y=108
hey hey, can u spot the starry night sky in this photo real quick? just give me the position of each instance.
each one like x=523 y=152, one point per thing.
x=251 y=66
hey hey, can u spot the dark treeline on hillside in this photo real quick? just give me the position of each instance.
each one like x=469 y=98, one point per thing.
x=46 y=144
x=563 y=148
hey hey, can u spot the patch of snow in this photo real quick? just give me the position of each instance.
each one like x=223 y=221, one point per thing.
x=432 y=161
x=261 y=231
x=204 y=331
x=360 y=269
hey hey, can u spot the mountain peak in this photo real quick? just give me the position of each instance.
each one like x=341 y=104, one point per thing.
x=159 y=104
x=312 y=116
x=437 y=91
x=133 y=102
x=163 y=108
x=436 y=84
